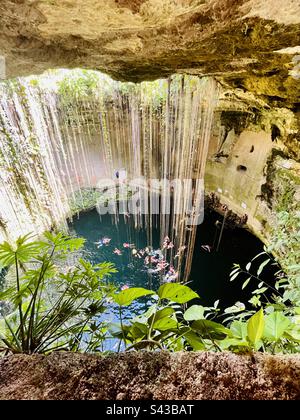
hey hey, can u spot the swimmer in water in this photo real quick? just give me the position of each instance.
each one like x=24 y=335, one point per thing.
x=117 y=251
x=99 y=243
x=162 y=265
x=166 y=242
x=127 y=245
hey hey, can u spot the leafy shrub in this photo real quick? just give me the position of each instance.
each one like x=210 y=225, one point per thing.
x=51 y=306
x=280 y=314
x=168 y=325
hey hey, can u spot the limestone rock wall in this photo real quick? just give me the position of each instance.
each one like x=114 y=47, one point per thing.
x=252 y=45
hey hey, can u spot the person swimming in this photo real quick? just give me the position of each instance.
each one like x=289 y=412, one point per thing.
x=166 y=242
x=103 y=241
x=153 y=270
x=162 y=265
x=99 y=244
x=117 y=251
x=128 y=245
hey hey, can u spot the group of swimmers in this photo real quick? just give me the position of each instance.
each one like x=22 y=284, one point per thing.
x=154 y=259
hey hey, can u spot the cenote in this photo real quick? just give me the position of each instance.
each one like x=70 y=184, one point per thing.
x=210 y=270
x=149 y=200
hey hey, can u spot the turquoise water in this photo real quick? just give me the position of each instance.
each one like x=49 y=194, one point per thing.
x=210 y=271
x=131 y=270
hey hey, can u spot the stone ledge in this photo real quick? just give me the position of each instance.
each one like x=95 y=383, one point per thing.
x=143 y=375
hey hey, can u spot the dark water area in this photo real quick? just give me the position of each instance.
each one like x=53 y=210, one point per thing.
x=210 y=271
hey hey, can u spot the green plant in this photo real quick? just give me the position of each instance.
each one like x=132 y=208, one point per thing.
x=168 y=325
x=84 y=199
x=78 y=85
x=52 y=306
x=276 y=326
x=285 y=244
x=165 y=324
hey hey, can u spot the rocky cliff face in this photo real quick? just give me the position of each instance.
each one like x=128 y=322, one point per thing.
x=252 y=45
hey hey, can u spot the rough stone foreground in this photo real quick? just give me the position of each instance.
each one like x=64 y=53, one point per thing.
x=248 y=44
x=145 y=375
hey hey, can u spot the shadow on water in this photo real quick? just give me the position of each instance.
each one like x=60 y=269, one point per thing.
x=210 y=271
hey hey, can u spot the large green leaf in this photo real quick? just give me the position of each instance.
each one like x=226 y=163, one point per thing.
x=194 y=341
x=293 y=333
x=234 y=343
x=176 y=293
x=239 y=329
x=165 y=324
x=22 y=249
x=275 y=325
x=127 y=296
x=116 y=330
x=162 y=313
x=255 y=327
x=144 y=317
x=194 y=313
x=211 y=330
x=138 y=330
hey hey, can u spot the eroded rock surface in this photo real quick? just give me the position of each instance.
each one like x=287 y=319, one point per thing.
x=245 y=44
x=145 y=375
